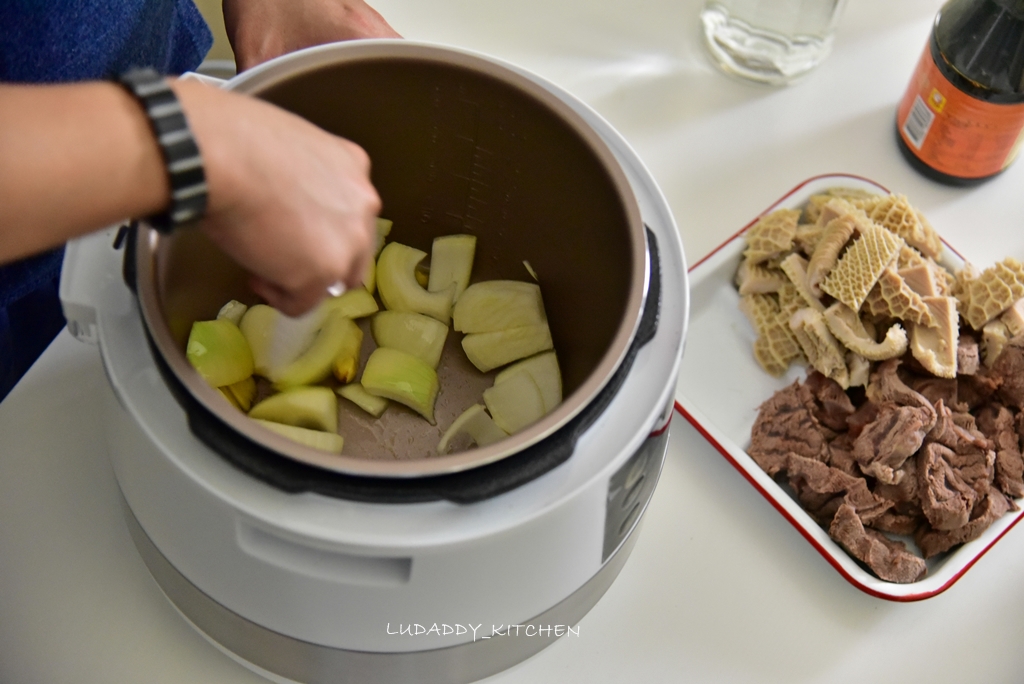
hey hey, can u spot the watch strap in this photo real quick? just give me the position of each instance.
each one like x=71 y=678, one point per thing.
x=182 y=160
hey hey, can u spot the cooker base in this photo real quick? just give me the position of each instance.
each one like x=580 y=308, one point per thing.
x=285 y=659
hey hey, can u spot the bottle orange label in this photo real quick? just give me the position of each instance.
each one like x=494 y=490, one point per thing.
x=953 y=132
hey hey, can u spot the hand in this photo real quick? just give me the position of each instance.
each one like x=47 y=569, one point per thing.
x=263 y=29
x=288 y=201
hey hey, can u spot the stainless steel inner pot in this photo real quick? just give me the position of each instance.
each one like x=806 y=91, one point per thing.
x=459 y=144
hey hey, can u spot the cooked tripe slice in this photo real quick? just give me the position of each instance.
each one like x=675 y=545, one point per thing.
x=892 y=297
x=807 y=237
x=772 y=236
x=754 y=278
x=474 y=422
x=860 y=369
x=921 y=279
x=994 y=291
x=795 y=268
x=858 y=269
x=776 y=345
x=894 y=213
x=819 y=346
x=494 y=305
x=994 y=336
x=847 y=327
x=816 y=203
x=835 y=237
x=1014 y=318
x=935 y=347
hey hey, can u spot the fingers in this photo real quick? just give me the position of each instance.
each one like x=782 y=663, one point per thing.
x=296 y=209
x=290 y=302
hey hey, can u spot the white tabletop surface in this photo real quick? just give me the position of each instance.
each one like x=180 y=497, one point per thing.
x=719 y=588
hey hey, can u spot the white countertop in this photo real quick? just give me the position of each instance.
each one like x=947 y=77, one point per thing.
x=720 y=588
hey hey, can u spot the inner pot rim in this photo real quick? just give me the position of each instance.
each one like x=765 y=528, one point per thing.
x=298 y=63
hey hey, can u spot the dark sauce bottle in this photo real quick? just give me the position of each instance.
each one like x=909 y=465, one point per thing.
x=961 y=120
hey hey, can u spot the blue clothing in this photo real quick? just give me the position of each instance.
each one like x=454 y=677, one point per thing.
x=52 y=41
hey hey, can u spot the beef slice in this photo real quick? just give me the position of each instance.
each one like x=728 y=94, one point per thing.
x=786 y=424
x=888 y=559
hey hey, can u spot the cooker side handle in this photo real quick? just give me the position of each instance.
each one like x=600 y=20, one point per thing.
x=530 y=463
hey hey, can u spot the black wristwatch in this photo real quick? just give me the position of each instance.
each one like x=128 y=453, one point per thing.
x=181 y=155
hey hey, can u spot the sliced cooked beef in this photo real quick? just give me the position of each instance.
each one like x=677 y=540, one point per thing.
x=1009 y=367
x=886 y=386
x=999 y=425
x=904 y=490
x=933 y=389
x=786 y=424
x=949 y=431
x=945 y=498
x=833 y=404
x=894 y=522
x=975 y=390
x=968 y=359
x=888 y=559
x=991 y=508
x=840 y=455
x=976 y=468
x=822 y=488
x=905 y=516
x=888 y=441
x=864 y=414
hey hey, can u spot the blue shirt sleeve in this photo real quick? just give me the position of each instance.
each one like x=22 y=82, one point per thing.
x=53 y=41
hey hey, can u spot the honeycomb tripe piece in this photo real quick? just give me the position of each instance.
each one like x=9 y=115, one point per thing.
x=860 y=369
x=758 y=278
x=807 y=237
x=790 y=301
x=892 y=297
x=1013 y=319
x=822 y=350
x=935 y=346
x=921 y=279
x=776 y=345
x=846 y=326
x=833 y=240
x=772 y=236
x=909 y=257
x=795 y=268
x=967 y=273
x=994 y=291
x=816 y=203
x=858 y=269
x=895 y=213
x=994 y=336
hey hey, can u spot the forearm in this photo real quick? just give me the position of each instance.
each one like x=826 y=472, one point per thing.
x=73 y=158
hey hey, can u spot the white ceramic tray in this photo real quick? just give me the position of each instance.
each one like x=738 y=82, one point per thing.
x=721 y=387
